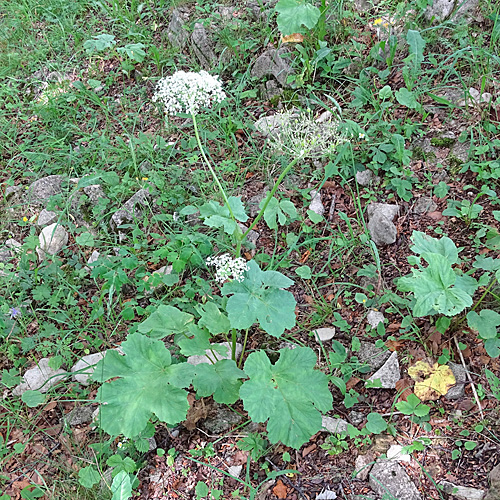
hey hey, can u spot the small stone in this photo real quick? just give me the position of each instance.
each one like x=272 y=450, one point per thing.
x=324 y=334
x=254 y=202
x=176 y=32
x=424 y=205
x=202 y=46
x=381 y=226
x=356 y=417
x=364 y=178
x=94 y=193
x=374 y=356
x=272 y=62
x=374 y=318
x=52 y=239
x=129 y=210
x=40 y=378
x=235 y=470
x=87 y=364
x=458 y=390
x=42 y=189
x=11 y=191
x=494 y=477
x=333 y=425
x=395 y=452
x=387 y=477
x=316 y=204
x=252 y=236
x=270 y=90
x=363 y=465
x=14 y=245
x=93 y=257
x=223 y=421
x=152 y=444
x=461 y=492
x=175 y=433
x=389 y=373
x=271 y=125
x=326 y=495
x=46 y=217
x=79 y=415
x=196 y=360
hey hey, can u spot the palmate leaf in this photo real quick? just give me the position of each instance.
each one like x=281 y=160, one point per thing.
x=148 y=384
x=260 y=298
x=221 y=379
x=216 y=215
x=165 y=321
x=486 y=323
x=289 y=394
x=293 y=14
x=427 y=244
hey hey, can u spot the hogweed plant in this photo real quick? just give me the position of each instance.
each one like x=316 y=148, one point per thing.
x=146 y=383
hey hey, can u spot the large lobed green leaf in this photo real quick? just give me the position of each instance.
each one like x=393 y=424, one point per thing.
x=260 y=298
x=289 y=394
x=293 y=14
x=165 y=321
x=148 y=383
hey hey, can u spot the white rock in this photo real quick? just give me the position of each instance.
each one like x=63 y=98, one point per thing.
x=13 y=245
x=93 y=257
x=87 y=363
x=326 y=495
x=395 y=452
x=333 y=425
x=46 y=217
x=235 y=470
x=461 y=492
x=196 y=360
x=389 y=373
x=316 y=204
x=52 y=239
x=364 y=178
x=40 y=378
x=389 y=478
x=374 y=318
x=324 y=334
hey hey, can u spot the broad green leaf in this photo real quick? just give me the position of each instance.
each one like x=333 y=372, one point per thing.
x=401 y=153
x=201 y=490
x=221 y=379
x=33 y=398
x=260 y=298
x=427 y=244
x=134 y=50
x=289 y=395
x=304 y=272
x=88 y=476
x=376 y=423
x=293 y=14
x=417 y=45
x=121 y=487
x=485 y=323
x=406 y=98
x=492 y=347
x=99 y=43
x=213 y=319
x=275 y=211
x=486 y=263
x=238 y=208
x=165 y=321
x=85 y=240
x=195 y=342
x=121 y=464
x=148 y=384
x=218 y=216
x=385 y=92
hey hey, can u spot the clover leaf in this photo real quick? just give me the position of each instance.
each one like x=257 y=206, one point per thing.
x=148 y=384
x=259 y=297
x=289 y=394
x=221 y=379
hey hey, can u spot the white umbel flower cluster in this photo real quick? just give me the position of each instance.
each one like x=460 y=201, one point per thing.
x=188 y=92
x=227 y=268
x=301 y=135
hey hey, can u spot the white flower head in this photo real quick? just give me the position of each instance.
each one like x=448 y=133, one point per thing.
x=188 y=92
x=227 y=268
x=299 y=134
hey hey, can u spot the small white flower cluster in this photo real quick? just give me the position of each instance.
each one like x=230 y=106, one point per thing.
x=227 y=268
x=302 y=135
x=188 y=92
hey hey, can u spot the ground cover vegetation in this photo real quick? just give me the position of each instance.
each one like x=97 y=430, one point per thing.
x=249 y=249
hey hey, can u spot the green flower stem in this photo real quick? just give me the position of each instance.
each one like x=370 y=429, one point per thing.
x=268 y=199
x=243 y=350
x=233 y=346
x=212 y=171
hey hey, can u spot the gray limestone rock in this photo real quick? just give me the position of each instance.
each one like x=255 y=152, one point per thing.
x=326 y=495
x=356 y=417
x=52 y=239
x=13 y=192
x=458 y=390
x=382 y=229
x=324 y=334
x=79 y=415
x=176 y=32
x=333 y=425
x=129 y=210
x=424 y=205
x=222 y=347
x=374 y=318
x=273 y=62
x=270 y=90
x=40 y=378
x=86 y=367
x=375 y=357
x=442 y=10
x=389 y=373
x=388 y=477
x=364 y=178
x=316 y=204
x=271 y=125
x=363 y=466
x=94 y=192
x=494 y=490
x=203 y=46
x=461 y=492
x=41 y=190
x=46 y=217
x=222 y=421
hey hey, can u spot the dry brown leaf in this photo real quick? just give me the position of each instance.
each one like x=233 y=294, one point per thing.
x=352 y=382
x=431 y=382
x=394 y=345
x=308 y=450
x=293 y=38
x=280 y=490
x=403 y=386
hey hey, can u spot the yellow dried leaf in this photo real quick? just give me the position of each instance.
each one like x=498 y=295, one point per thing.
x=431 y=382
x=293 y=38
